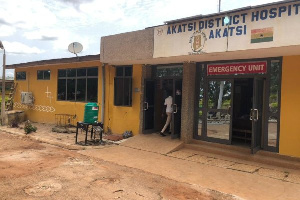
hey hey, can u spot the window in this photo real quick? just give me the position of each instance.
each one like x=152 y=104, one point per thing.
x=200 y=93
x=274 y=103
x=123 y=86
x=20 y=75
x=78 y=84
x=43 y=74
x=169 y=71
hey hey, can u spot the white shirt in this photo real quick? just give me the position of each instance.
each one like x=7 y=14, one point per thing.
x=168 y=103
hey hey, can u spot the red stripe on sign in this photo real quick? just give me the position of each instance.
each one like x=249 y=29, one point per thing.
x=237 y=68
x=263 y=30
x=94 y=108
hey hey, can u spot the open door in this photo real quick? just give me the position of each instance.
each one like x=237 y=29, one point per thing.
x=176 y=116
x=148 y=106
x=219 y=110
x=256 y=115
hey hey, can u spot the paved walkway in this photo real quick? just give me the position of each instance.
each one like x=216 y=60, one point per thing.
x=153 y=143
x=230 y=178
x=245 y=179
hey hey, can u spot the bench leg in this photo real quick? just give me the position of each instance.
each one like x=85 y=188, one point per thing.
x=86 y=133
x=101 y=132
x=76 y=133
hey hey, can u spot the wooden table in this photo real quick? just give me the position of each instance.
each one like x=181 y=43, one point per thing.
x=85 y=126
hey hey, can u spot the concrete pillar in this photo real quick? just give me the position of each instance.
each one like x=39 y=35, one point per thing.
x=188 y=102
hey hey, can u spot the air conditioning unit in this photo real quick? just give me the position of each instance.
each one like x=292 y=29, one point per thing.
x=27 y=98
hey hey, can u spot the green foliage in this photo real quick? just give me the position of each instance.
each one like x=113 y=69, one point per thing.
x=214 y=91
x=200 y=113
x=275 y=69
x=273 y=97
x=201 y=103
x=226 y=104
x=274 y=105
x=6 y=99
x=28 y=128
x=163 y=72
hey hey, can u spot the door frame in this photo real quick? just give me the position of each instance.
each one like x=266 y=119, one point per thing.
x=202 y=72
x=267 y=113
x=173 y=135
x=143 y=107
x=206 y=109
x=255 y=122
x=161 y=79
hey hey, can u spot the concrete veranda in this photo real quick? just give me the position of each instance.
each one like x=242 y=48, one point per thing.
x=243 y=178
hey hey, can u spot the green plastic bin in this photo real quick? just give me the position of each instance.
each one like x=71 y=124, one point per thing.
x=90 y=113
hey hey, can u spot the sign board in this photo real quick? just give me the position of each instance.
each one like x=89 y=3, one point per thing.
x=237 y=68
x=265 y=27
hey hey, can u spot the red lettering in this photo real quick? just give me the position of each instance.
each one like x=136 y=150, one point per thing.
x=237 y=68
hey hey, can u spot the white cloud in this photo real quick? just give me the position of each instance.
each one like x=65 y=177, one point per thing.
x=107 y=11
x=27 y=14
x=63 y=42
x=233 y=4
x=51 y=25
x=39 y=34
x=6 y=30
x=63 y=37
x=19 y=48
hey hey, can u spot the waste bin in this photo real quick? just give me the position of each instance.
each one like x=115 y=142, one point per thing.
x=90 y=113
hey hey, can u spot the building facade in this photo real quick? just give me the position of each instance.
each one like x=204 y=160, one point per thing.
x=233 y=76
x=58 y=86
x=61 y=88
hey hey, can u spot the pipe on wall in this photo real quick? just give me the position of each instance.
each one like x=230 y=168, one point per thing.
x=103 y=93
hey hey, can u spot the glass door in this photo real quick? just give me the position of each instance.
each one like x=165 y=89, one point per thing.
x=219 y=110
x=149 y=97
x=176 y=116
x=256 y=115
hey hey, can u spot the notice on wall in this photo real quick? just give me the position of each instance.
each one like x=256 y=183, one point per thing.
x=237 y=68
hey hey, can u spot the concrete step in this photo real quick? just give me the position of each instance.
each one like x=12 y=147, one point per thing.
x=229 y=152
x=153 y=143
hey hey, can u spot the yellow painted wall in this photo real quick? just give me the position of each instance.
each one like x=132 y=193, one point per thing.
x=118 y=119
x=289 y=143
x=45 y=108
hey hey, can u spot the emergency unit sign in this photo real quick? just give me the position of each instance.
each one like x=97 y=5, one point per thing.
x=237 y=68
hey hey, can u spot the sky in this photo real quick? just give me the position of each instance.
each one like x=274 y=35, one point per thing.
x=33 y=30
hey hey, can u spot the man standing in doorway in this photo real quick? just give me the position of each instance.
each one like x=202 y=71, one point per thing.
x=168 y=103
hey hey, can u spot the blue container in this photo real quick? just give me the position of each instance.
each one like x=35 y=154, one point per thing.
x=90 y=113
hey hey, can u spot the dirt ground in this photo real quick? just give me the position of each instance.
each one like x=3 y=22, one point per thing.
x=33 y=170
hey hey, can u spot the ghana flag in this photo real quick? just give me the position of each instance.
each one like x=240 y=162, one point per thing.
x=262 y=35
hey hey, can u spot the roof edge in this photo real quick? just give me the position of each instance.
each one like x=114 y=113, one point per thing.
x=55 y=61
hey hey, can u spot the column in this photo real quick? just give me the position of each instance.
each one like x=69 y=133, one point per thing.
x=188 y=101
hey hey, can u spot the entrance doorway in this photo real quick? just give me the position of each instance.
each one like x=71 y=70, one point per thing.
x=243 y=102
x=235 y=111
x=156 y=91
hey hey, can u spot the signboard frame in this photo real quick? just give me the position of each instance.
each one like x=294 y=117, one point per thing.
x=257 y=67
